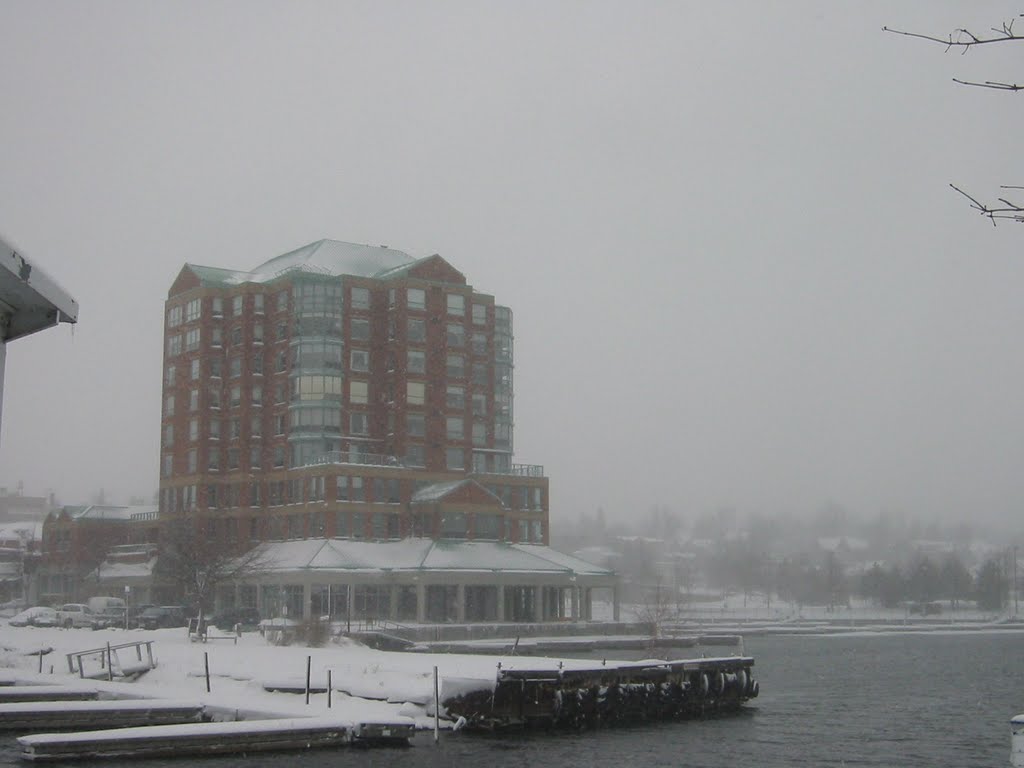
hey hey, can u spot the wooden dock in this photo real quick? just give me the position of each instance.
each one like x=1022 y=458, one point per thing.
x=214 y=738
x=126 y=713
x=609 y=694
x=12 y=694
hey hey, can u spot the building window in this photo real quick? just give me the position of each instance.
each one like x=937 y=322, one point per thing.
x=174 y=317
x=174 y=345
x=216 y=365
x=236 y=335
x=281 y=362
x=317 y=388
x=236 y=306
x=415 y=455
x=214 y=398
x=416 y=298
x=453 y=525
x=478 y=343
x=192 y=456
x=168 y=435
x=280 y=424
x=212 y=460
x=360 y=298
x=479 y=404
x=416 y=361
x=479 y=375
x=170 y=375
x=479 y=314
x=358 y=392
x=415 y=424
x=456 y=335
x=257 y=333
x=214 y=429
x=232 y=458
x=359 y=360
x=456 y=367
x=236 y=396
x=316 y=493
x=194 y=370
x=415 y=392
x=454 y=428
x=257 y=365
x=454 y=459
x=192 y=310
x=278 y=456
x=257 y=303
x=282 y=301
x=257 y=395
x=456 y=304
x=360 y=329
x=256 y=426
x=479 y=434
x=359 y=524
x=236 y=428
x=169 y=405
x=217 y=306
x=235 y=367
x=359 y=424
x=193 y=400
x=216 y=337
x=487 y=527
x=416 y=330
x=168 y=465
x=455 y=397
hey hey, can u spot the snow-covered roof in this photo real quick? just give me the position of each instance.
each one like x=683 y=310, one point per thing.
x=115 y=571
x=438 y=491
x=421 y=554
x=33 y=299
x=107 y=512
x=324 y=257
x=26 y=530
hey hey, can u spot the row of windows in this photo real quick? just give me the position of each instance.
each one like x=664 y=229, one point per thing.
x=354 y=489
x=313 y=296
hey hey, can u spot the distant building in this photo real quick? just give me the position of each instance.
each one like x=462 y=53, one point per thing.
x=29 y=301
x=76 y=541
x=354 y=393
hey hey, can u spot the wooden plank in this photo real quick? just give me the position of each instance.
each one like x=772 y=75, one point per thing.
x=97 y=714
x=208 y=739
x=19 y=693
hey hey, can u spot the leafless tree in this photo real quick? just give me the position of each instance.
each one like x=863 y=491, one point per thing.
x=197 y=564
x=964 y=40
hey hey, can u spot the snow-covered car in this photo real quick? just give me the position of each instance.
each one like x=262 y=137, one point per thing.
x=162 y=616
x=39 y=616
x=76 y=615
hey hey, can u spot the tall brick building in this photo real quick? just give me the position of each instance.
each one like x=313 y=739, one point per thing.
x=344 y=391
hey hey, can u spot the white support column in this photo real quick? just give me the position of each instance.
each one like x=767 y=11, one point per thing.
x=615 y=602
x=460 y=603
x=501 y=602
x=574 y=609
x=421 y=603
x=538 y=604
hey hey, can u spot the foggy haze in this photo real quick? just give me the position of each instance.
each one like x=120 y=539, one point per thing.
x=737 y=272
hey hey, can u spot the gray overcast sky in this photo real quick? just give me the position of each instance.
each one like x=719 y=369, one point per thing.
x=738 y=274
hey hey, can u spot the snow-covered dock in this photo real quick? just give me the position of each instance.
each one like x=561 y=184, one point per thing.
x=214 y=738
x=97 y=714
x=11 y=694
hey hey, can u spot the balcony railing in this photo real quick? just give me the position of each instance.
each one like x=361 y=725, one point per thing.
x=380 y=460
x=516 y=470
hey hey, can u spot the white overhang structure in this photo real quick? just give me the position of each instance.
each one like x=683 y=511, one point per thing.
x=30 y=301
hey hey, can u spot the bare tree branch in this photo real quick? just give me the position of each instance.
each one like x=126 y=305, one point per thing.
x=964 y=38
x=1010 y=210
x=989 y=84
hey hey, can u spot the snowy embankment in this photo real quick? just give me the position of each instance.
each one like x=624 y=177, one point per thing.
x=367 y=684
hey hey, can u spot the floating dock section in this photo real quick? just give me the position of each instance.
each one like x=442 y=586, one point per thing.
x=609 y=694
x=97 y=714
x=213 y=738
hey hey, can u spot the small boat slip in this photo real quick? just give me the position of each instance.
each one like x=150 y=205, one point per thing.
x=214 y=738
x=97 y=714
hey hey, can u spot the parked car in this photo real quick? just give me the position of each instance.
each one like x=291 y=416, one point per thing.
x=40 y=616
x=246 y=618
x=135 y=612
x=162 y=616
x=76 y=615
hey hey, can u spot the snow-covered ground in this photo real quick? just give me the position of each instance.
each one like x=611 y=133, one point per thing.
x=368 y=684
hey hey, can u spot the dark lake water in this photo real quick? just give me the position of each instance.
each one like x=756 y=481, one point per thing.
x=873 y=700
